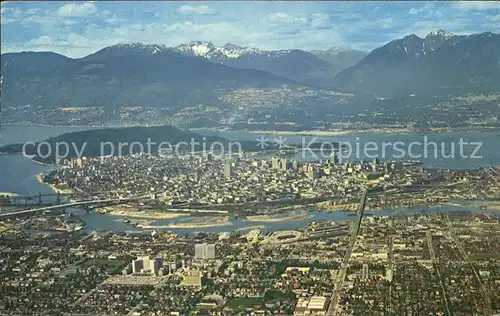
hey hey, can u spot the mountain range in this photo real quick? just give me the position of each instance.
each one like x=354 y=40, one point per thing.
x=439 y=64
x=186 y=75
x=122 y=75
x=298 y=65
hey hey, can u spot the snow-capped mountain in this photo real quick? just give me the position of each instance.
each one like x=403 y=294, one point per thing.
x=298 y=65
x=228 y=51
x=295 y=64
x=123 y=74
x=211 y=52
x=137 y=47
x=413 y=46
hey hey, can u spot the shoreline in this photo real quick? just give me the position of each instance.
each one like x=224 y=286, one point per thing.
x=223 y=221
x=39 y=178
x=342 y=132
x=218 y=224
x=310 y=132
x=70 y=126
x=139 y=214
x=8 y=194
x=42 y=163
x=53 y=187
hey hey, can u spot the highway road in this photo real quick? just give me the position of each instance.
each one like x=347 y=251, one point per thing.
x=332 y=308
x=432 y=254
x=484 y=292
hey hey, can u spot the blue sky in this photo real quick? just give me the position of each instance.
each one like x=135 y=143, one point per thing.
x=76 y=29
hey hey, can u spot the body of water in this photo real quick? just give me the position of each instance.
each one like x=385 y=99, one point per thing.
x=18 y=173
x=100 y=222
x=447 y=145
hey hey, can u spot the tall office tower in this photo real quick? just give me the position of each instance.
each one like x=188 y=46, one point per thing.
x=137 y=266
x=209 y=157
x=204 y=251
x=366 y=272
x=264 y=163
x=284 y=164
x=275 y=163
x=157 y=265
x=210 y=251
x=333 y=159
x=142 y=265
x=228 y=170
x=199 y=251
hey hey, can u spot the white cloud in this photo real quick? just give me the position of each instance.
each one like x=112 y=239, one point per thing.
x=268 y=27
x=34 y=11
x=427 y=10
x=478 y=5
x=201 y=9
x=47 y=20
x=77 y=10
x=495 y=18
x=283 y=20
x=279 y=16
x=7 y=20
x=418 y=11
x=10 y=15
x=92 y=37
x=42 y=40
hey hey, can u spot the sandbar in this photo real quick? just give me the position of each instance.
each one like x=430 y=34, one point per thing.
x=8 y=194
x=138 y=213
x=224 y=221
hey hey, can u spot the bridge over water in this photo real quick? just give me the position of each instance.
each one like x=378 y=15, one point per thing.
x=93 y=203
x=41 y=199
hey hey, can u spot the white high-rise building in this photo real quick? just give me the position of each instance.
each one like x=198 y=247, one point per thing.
x=228 y=170
x=199 y=251
x=204 y=251
x=210 y=251
x=146 y=265
x=366 y=272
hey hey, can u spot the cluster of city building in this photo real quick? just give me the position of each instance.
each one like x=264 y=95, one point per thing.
x=195 y=181
x=437 y=264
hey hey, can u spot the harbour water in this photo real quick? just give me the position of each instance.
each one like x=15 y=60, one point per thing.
x=447 y=143
x=18 y=174
x=100 y=222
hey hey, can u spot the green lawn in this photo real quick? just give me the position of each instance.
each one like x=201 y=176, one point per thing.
x=244 y=302
x=110 y=265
